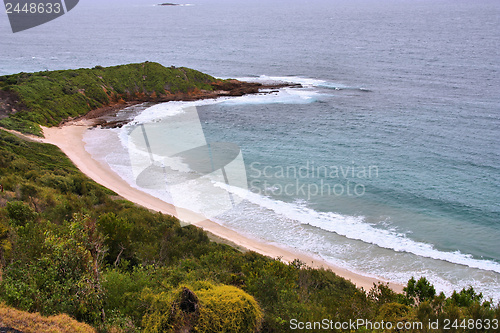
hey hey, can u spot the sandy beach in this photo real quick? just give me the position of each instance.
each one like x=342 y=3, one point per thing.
x=69 y=138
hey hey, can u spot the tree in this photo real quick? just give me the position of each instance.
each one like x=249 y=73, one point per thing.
x=419 y=291
x=466 y=297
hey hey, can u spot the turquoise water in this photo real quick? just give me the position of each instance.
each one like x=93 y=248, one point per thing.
x=407 y=90
x=442 y=181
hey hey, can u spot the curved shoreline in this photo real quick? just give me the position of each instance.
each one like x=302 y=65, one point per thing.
x=69 y=138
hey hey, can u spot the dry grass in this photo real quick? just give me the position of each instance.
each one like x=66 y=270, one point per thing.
x=35 y=323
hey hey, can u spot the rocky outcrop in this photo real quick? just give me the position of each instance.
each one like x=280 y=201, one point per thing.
x=220 y=88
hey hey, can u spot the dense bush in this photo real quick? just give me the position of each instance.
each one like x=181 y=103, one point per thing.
x=63 y=276
x=19 y=213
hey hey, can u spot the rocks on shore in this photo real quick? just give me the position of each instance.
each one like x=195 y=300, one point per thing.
x=221 y=88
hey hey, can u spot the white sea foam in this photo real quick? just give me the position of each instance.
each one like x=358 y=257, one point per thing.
x=168 y=109
x=355 y=227
x=288 y=95
x=280 y=222
x=283 y=96
x=305 y=82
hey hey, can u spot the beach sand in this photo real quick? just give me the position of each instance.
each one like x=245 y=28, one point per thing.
x=69 y=138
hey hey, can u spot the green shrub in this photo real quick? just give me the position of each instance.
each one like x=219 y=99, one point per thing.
x=61 y=183
x=419 y=291
x=209 y=308
x=5 y=243
x=466 y=297
x=123 y=292
x=227 y=309
x=20 y=213
x=394 y=312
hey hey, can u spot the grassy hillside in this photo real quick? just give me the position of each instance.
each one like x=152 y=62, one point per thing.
x=47 y=98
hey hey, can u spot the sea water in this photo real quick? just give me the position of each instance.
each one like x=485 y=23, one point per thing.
x=397 y=120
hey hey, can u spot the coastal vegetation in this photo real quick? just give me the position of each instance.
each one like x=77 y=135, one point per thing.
x=48 y=98
x=73 y=249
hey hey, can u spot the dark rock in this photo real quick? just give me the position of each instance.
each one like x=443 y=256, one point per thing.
x=189 y=301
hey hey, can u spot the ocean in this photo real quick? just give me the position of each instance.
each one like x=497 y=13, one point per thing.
x=385 y=162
